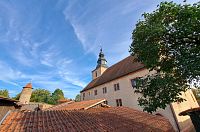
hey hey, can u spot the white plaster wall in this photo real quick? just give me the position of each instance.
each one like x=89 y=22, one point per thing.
x=129 y=98
x=126 y=92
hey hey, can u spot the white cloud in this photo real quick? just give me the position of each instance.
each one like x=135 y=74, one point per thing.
x=68 y=75
x=50 y=56
x=12 y=83
x=73 y=80
x=19 y=32
x=94 y=29
x=8 y=73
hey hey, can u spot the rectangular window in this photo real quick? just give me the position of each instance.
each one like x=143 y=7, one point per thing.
x=104 y=90
x=96 y=73
x=89 y=93
x=133 y=83
x=119 y=102
x=95 y=92
x=116 y=87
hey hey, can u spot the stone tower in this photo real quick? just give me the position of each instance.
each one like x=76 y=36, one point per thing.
x=101 y=66
x=26 y=94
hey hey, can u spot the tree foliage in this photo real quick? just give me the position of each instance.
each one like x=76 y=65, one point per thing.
x=78 y=98
x=196 y=93
x=167 y=41
x=4 y=93
x=58 y=94
x=17 y=96
x=42 y=95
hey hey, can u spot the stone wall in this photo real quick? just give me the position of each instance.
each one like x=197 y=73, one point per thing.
x=25 y=95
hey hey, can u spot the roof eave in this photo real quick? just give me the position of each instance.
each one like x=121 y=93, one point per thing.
x=114 y=79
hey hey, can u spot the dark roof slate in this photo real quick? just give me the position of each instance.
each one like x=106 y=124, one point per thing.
x=122 y=68
x=8 y=99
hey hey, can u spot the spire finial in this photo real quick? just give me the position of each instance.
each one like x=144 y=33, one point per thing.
x=101 y=48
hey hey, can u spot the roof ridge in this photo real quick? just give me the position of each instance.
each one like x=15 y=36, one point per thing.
x=126 y=66
x=95 y=104
x=119 y=61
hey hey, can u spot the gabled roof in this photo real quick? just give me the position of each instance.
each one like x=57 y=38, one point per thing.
x=122 y=68
x=8 y=99
x=33 y=106
x=100 y=119
x=83 y=105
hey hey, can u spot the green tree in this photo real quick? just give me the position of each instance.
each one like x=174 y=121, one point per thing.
x=167 y=41
x=17 y=96
x=78 y=98
x=40 y=95
x=57 y=95
x=4 y=93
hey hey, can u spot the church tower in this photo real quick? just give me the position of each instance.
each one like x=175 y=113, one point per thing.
x=26 y=94
x=101 y=66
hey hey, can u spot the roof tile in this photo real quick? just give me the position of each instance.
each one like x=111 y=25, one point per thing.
x=98 y=119
x=77 y=105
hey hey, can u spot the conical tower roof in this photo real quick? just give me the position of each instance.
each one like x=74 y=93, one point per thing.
x=28 y=85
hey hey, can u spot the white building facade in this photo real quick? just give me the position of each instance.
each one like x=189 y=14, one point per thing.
x=116 y=85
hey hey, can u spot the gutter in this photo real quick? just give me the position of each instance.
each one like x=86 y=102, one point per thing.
x=5 y=117
x=140 y=68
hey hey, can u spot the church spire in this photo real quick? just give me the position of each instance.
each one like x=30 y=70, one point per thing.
x=101 y=62
x=101 y=66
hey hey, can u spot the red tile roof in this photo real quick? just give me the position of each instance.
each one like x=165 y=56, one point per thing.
x=64 y=100
x=122 y=68
x=77 y=105
x=28 y=85
x=117 y=119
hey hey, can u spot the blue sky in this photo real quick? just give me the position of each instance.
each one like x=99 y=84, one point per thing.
x=55 y=43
